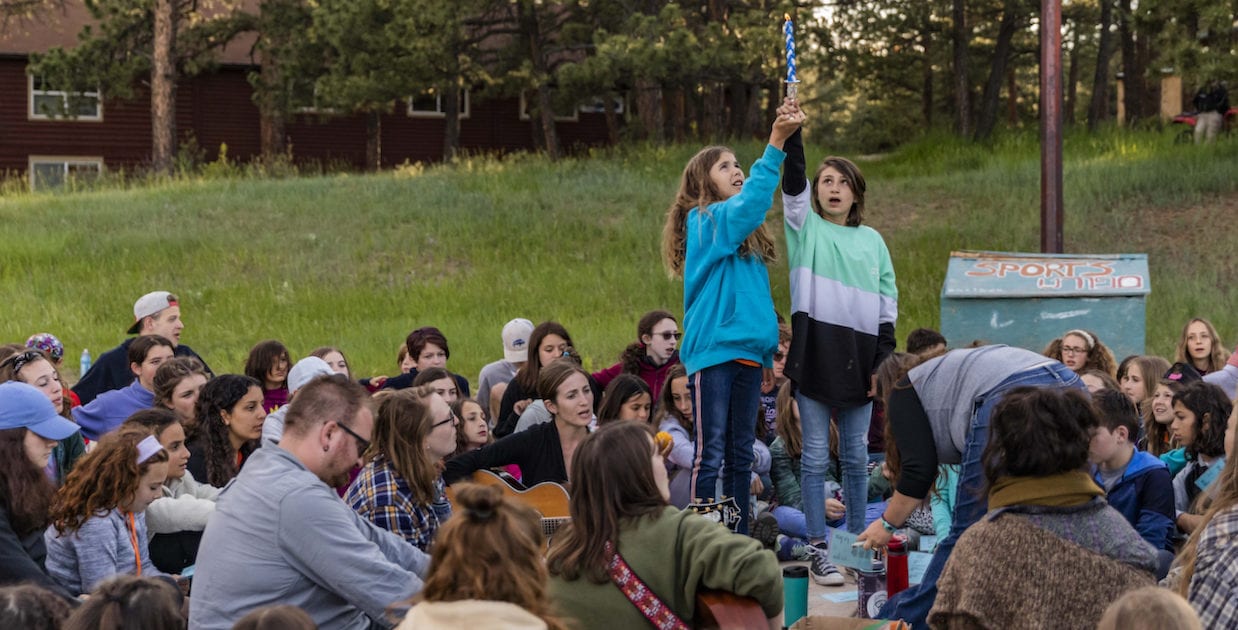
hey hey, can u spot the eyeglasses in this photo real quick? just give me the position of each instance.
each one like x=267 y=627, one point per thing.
x=669 y=335
x=1074 y=350
x=778 y=356
x=19 y=361
x=363 y=444
x=451 y=418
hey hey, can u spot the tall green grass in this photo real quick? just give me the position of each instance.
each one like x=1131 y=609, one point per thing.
x=359 y=260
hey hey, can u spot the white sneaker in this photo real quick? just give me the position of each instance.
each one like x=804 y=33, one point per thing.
x=823 y=571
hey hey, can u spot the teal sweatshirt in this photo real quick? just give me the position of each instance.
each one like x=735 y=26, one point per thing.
x=728 y=311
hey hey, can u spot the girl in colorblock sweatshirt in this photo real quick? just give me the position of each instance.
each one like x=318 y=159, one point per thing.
x=844 y=305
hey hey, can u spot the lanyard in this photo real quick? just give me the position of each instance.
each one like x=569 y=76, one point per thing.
x=131 y=523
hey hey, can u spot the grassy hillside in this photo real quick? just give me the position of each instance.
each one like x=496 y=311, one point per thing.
x=358 y=261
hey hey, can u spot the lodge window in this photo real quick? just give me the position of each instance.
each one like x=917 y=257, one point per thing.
x=48 y=172
x=562 y=113
x=597 y=105
x=429 y=104
x=48 y=103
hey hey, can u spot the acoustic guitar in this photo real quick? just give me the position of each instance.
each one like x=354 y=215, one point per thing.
x=548 y=498
x=727 y=611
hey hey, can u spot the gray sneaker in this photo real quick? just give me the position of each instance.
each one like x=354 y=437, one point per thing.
x=823 y=571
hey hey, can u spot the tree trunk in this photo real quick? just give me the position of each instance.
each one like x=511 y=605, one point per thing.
x=545 y=123
x=926 y=92
x=679 y=115
x=1099 y=109
x=163 y=88
x=997 y=70
x=714 y=111
x=1072 y=85
x=1132 y=72
x=649 y=109
x=962 y=91
x=1012 y=99
x=736 y=109
x=612 y=117
x=373 y=141
x=546 y=118
x=752 y=119
x=271 y=122
x=451 y=120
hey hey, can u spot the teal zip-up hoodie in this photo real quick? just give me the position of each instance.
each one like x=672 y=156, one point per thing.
x=728 y=311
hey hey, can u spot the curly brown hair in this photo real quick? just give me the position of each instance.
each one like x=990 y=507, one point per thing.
x=491 y=549
x=220 y=394
x=1100 y=357
x=1211 y=408
x=103 y=480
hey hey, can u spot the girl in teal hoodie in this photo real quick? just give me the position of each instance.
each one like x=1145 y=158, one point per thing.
x=715 y=239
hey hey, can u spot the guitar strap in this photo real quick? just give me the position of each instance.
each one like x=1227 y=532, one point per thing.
x=645 y=600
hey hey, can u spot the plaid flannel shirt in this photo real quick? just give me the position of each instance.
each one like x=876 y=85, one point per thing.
x=1214 y=585
x=381 y=495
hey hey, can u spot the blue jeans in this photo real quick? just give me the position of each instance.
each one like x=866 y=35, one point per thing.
x=725 y=399
x=913 y=604
x=815 y=460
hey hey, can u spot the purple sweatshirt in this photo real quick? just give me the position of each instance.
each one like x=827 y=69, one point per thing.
x=110 y=409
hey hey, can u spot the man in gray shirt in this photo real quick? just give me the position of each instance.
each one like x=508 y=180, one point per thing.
x=281 y=535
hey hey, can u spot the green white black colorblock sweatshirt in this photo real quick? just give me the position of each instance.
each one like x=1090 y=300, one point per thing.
x=844 y=302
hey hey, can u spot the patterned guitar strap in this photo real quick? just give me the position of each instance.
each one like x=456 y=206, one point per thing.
x=648 y=603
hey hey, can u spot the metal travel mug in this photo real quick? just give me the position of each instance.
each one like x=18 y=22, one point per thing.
x=872 y=590
x=794 y=594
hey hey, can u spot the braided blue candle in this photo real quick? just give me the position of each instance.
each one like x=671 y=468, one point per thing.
x=788 y=30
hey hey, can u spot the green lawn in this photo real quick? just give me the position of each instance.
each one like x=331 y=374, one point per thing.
x=359 y=260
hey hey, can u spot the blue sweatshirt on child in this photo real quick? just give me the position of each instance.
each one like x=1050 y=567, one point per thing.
x=728 y=311
x=1144 y=494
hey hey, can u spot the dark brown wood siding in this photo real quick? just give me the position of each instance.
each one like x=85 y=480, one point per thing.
x=217 y=109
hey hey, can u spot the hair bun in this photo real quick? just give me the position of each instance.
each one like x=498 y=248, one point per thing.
x=477 y=501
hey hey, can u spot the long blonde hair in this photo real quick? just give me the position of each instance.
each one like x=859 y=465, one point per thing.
x=696 y=190
x=401 y=426
x=1218 y=356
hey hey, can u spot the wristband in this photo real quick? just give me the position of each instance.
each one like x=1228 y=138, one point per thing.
x=887 y=525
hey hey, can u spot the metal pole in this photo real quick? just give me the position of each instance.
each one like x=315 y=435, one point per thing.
x=1051 y=126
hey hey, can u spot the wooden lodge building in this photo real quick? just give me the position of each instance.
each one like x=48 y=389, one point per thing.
x=216 y=109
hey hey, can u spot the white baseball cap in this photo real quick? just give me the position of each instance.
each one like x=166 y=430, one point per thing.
x=516 y=340
x=148 y=305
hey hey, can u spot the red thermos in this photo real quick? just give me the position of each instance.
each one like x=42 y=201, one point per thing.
x=896 y=565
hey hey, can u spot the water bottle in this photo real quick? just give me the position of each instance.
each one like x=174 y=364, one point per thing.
x=85 y=365
x=794 y=594
x=896 y=566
